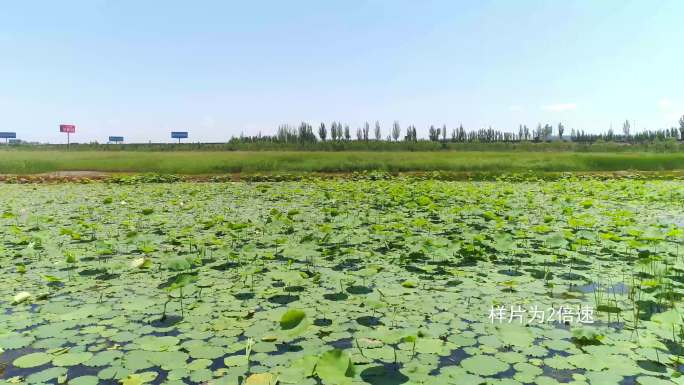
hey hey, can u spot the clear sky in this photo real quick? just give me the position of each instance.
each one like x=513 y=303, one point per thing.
x=218 y=68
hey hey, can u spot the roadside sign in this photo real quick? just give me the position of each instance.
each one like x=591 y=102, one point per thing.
x=8 y=135
x=68 y=128
x=116 y=139
x=179 y=135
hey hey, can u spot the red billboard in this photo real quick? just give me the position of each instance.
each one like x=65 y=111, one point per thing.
x=69 y=128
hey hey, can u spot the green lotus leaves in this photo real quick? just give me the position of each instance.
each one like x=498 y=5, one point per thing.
x=335 y=281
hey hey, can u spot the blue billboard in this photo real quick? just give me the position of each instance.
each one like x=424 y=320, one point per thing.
x=179 y=134
x=8 y=135
x=116 y=138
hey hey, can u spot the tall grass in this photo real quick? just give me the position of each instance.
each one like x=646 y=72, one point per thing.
x=371 y=145
x=31 y=162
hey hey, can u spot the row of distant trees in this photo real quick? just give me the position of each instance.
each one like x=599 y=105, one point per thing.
x=337 y=132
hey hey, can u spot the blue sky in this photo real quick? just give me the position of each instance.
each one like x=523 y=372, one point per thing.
x=219 y=68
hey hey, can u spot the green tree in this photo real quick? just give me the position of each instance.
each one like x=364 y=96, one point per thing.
x=626 y=128
x=396 y=131
x=433 y=134
x=322 y=132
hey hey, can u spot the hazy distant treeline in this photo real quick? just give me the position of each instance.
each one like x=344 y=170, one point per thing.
x=339 y=137
x=337 y=132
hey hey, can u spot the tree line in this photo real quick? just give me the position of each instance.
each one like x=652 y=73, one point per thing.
x=337 y=132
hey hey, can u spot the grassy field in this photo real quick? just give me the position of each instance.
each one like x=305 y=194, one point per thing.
x=197 y=163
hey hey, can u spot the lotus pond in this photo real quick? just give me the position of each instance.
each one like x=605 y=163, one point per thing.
x=342 y=282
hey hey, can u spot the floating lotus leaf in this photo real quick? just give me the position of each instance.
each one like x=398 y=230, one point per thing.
x=72 y=359
x=484 y=365
x=179 y=263
x=650 y=380
x=201 y=363
x=525 y=372
x=206 y=352
x=46 y=375
x=158 y=344
x=291 y=319
x=32 y=360
x=605 y=377
x=113 y=372
x=201 y=375
x=334 y=367
x=15 y=341
x=104 y=358
x=20 y=297
x=545 y=380
x=261 y=379
x=141 y=263
x=239 y=360
x=139 y=378
x=430 y=346
x=513 y=334
x=84 y=380
x=558 y=363
x=458 y=375
x=587 y=361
